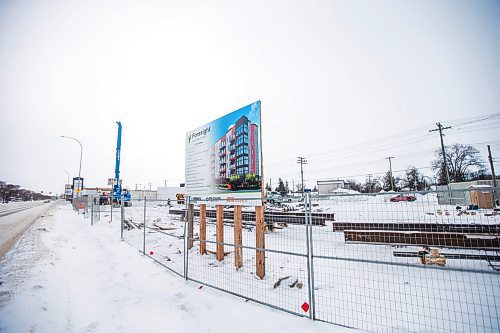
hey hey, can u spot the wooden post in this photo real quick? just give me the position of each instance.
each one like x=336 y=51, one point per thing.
x=220 y=232
x=260 y=256
x=190 y=226
x=238 y=251
x=203 y=228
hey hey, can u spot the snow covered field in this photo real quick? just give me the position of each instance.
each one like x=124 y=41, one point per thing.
x=357 y=285
x=67 y=276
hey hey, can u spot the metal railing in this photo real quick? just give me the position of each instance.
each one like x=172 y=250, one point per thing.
x=379 y=262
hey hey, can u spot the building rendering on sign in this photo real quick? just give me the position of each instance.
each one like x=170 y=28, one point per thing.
x=237 y=151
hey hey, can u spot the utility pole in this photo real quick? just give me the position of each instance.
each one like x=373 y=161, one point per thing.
x=136 y=187
x=492 y=167
x=293 y=186
x=165 y=182
x=302 y=161
x=390 y=171
x=150 y=187
x=440 y=128
x=370 y=182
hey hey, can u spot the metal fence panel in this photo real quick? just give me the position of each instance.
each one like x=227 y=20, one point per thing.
x=413 y=265
x=378 y=262
x=162 y=238
x=285 y=284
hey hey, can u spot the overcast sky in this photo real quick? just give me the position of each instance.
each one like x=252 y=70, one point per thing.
x=343 y=83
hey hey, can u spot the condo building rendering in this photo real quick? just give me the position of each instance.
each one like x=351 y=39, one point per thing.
x=237 y=151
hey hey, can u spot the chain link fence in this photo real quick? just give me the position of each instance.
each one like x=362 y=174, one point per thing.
x=410 y=261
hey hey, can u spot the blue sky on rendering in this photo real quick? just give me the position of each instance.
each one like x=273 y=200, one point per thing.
x=221 y=125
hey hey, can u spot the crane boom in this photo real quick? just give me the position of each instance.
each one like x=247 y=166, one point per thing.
x=118 y=149
x=118 y=192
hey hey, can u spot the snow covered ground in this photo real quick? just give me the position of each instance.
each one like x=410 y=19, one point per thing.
x=66 y=276
x=357 y=285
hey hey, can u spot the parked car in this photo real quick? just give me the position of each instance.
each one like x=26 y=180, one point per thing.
x=403 y=197
x=276 y=198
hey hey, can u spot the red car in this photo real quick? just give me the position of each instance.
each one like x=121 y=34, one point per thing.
x=402 y=197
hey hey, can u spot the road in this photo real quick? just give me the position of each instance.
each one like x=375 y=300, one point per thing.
x=15 y=218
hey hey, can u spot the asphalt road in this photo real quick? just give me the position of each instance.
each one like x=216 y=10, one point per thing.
x=15 y=218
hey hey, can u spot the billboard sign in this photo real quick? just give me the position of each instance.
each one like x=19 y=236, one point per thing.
x=223 y=157
x=77 y=186
x=68 y=190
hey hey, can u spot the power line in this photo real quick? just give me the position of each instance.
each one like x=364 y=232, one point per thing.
x=493 y=115
x=383 y=143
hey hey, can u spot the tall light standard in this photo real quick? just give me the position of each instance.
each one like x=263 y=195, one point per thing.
x=80 y=168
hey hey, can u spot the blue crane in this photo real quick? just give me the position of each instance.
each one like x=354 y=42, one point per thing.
x=117 y=188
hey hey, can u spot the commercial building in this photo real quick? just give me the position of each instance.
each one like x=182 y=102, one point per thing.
x=326 y=187
x=165 y=193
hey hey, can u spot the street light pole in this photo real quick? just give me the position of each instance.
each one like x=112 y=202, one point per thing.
x=80 y=167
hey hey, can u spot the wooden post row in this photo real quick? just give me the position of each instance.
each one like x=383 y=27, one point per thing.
x=238 y=251
x=190 y=225
x=220 y=232
x=260 y=256
x=203 y=229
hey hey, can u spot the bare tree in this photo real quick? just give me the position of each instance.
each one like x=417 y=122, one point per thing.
x=462 y=160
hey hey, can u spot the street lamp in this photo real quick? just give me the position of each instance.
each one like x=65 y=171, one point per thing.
x=80 y=168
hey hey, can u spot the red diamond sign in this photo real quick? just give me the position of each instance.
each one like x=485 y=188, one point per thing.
x=151 y=253
x=305 y=307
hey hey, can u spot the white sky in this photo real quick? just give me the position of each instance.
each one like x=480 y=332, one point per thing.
x=330 y=74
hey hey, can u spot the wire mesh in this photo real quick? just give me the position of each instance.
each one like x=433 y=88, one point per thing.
x=285 y=282
x=162 y=238
x=408 y=261
x=412 y=261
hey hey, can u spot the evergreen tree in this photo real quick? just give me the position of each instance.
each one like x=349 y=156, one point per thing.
x=387 y=182
x=281 y=187
x=413 y=179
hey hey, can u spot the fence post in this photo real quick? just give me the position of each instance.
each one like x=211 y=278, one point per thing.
x=144 y=227
x=190 y=225
x=238 y=251
x=111 y=209
x=260 y=255
x=310 y=265
x=203 y=229
x=122 y=216
x=186 y=257
x=91 y=212
x=220 y=232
